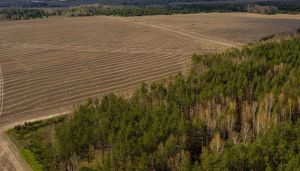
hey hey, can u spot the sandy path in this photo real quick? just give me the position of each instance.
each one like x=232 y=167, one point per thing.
x=197 y=39
x=10 y=158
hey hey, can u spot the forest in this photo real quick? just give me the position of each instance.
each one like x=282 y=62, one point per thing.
x=17 y=13
x=235 y=110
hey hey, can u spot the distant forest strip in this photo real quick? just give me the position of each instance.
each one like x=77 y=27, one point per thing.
x=95 y=10
x=236 y=110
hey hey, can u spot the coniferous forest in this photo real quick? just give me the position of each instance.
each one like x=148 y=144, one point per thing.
x=236 y=110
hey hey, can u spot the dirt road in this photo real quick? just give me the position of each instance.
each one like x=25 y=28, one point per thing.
x=10 y=158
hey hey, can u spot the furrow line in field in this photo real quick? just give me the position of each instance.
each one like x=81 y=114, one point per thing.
x=108 y=69
x=105 y=77
x=82 y=62
x=1 y=90
x=117 y=80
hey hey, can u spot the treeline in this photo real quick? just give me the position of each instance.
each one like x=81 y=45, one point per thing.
x=292 y=6
x=126 y=10
x=32 y=13
x=238 y=110
x=22 y=14
x=72 y=3
x=96 y=10
x=116 y=11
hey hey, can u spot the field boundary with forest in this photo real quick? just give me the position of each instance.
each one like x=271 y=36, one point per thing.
x=230 y=106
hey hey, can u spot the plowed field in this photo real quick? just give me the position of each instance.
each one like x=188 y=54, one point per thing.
x=50 y=65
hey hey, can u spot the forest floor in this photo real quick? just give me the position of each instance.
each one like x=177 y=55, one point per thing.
x=50 y=65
